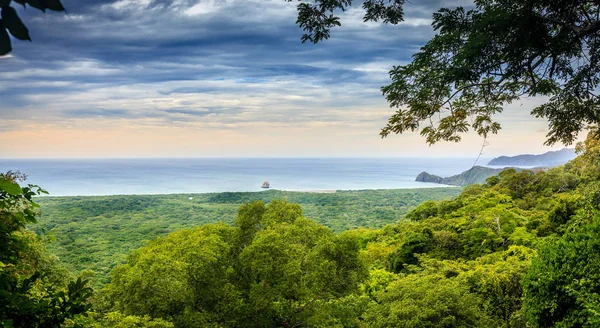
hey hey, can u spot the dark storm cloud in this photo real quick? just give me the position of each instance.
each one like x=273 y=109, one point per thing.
x=102 y=54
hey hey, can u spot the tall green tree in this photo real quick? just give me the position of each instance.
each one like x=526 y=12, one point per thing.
x=273 y=268
x=483 y=58
x=34 y=291
x=562 y=289
x=426 y=301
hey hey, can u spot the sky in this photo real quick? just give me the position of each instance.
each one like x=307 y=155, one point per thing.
x=219 y=78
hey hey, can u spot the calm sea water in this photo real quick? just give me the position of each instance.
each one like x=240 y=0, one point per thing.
x=162 y=176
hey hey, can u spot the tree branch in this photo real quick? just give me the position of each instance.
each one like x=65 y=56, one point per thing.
x=580 y=31
x=459 y=90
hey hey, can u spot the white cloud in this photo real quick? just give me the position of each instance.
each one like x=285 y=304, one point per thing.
x=130 y=4
x=167 y=72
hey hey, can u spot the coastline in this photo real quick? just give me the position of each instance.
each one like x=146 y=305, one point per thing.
x=433 y=187
x=179 y=176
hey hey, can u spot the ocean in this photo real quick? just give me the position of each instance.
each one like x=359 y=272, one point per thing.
x=82 y=177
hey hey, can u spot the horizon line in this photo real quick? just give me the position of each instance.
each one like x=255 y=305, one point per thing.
x=242 y=157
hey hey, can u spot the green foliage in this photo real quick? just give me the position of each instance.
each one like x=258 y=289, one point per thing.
x=497 y=279
x=561 y=289
x=118 y=320
x=563 y=210
x=318 y=17
x=173 y=274
x=10 y=20
x=286 y=274
x=484 y=58
x=482 y=243
x=490 y=56
x=425 y=210
x=519 y=251
x=426 y=301
x=413 y=243
x=482 y=220
x=97 y=233
x=476 y=174
x=249 y=220
x=454 y=263
x=33 y=289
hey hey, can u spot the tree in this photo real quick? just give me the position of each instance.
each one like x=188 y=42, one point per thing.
x=484 y=58
x=497 y=279
x=318 y=17
x=118 y=320
x=273 y=268
x=563 y=284
x=10 y=20
x=183 y=278
x=426 y=301
x=33 y=289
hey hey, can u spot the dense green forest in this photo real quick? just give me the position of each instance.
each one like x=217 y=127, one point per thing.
x=520 y=250
x=97 y=233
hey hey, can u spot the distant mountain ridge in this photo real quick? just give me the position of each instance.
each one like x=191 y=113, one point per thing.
x=476 y=174
x=551 y=158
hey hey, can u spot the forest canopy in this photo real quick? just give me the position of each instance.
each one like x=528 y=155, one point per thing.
x=518 y=251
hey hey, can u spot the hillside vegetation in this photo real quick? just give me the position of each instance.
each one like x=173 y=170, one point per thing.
x=476 y=174
x=97 y=233
x=520 y=250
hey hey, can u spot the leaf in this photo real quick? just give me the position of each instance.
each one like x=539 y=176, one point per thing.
x=5 y=46
x=12 y=188
x=37 y=4
x=14 y=25
x=55 y=5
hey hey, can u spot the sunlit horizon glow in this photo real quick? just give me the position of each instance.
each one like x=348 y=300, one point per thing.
x=142 y=79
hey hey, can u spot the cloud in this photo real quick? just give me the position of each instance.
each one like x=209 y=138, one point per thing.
x=92 y=113
x=203 y=112
x=203 y=64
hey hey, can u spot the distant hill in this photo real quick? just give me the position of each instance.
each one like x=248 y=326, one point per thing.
x=476 y=174
x=551 y=158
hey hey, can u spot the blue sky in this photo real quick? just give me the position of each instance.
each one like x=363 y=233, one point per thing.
x=195 y=78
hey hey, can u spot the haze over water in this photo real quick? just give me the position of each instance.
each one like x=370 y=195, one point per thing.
x=72 y=177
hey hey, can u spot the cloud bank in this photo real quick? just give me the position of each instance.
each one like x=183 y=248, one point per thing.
x=144 y=70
